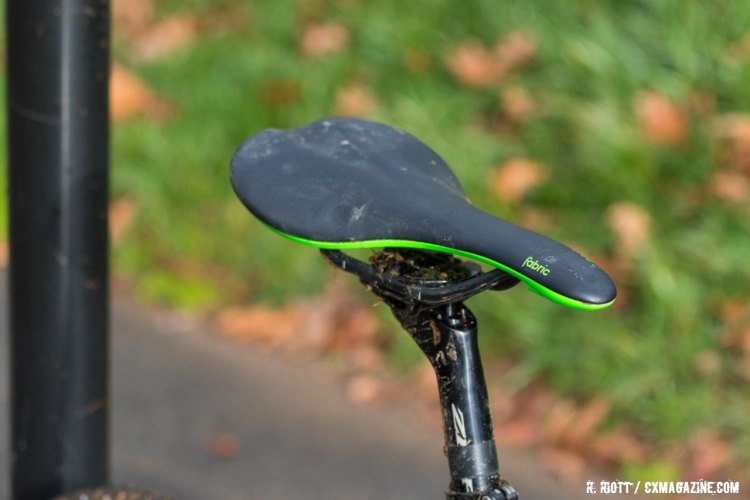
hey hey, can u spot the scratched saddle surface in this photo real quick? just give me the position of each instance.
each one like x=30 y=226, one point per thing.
x=351 y=183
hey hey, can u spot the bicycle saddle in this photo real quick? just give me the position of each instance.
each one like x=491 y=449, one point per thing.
x=344 y=183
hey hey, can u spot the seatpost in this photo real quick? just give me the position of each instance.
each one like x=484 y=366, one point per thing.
x=448 y=337
x=425 y=292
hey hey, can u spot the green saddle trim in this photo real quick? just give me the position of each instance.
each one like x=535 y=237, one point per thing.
x=530 y=284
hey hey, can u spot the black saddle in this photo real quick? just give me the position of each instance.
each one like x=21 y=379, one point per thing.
x=343 y=183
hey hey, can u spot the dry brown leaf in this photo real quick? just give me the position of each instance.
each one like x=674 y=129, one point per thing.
x=354 y=328
x=424 y=383
x=3 y=254
x=364 y=390
x=121 y=214
x=130 y=96
x=707 y=454
x=732 y=311
x=616 y=447
x=417 y=60
x=515 y=49
x=365 y=358
x=514 y=178
x=737 y=337
x=355 y=100
x=708 y=363
x=233 y=17
x=581 y=429
x=518 y=432
x=532 y=402
x=631 y=226
x=736 y=331
x=473 y=65
x=281 y=92
x=517 y=104
x=158 y=40
x=261 y=323
x=131 y=17
x=742 y=367
x=224 y=445
x=310 y=10
x=730 y=186
x=322 y=39
x=503 y=404
x=565 y=464
x=661 y=121
x=558 y=421
x=733 y=132
x=702 y=103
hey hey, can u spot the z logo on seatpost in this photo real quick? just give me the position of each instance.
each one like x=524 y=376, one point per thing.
x=534 y=265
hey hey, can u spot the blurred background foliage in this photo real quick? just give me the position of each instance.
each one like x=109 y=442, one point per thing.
x=620 y=128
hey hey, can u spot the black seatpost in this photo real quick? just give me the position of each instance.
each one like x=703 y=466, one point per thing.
x=425 y=292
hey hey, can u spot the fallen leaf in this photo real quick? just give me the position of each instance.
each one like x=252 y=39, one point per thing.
x=424 y=383
x=584 y=423
x=309 y=10
x=661 y=121
x=235 y=16
x=708 y=363
x=736 y=331
x=356 y=328
x=318 y=40
x=363 y=390
x=558 y=421
x=532 y=402
x=503 y=405
x=158 y=40
x=514 y=178
x=732 y=311
x=131 y=17
x=130 y=96
x=355 y=100
x=518 y=432
x=742 y=367
x=281 y=92
x=121 y=214
x=365 y=358
x=417 y=60
x=733 y=132
x=473 y=65
x=631 y=226
x=515 y=49
x=702 y=103
x=517 y=104
x=224 y=445
x=337 y=322
x=729 y=186
x=565 y=464
x=3 y=254
x=738 y=337
x=617 y=447
x=261 y=323
x=707 y=454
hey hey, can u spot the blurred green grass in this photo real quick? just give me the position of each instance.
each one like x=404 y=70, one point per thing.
x=193 y=245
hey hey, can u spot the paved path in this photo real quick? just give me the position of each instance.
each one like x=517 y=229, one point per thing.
x=174 y=386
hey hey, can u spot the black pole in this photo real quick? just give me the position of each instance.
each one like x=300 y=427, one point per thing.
x=57 y=72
